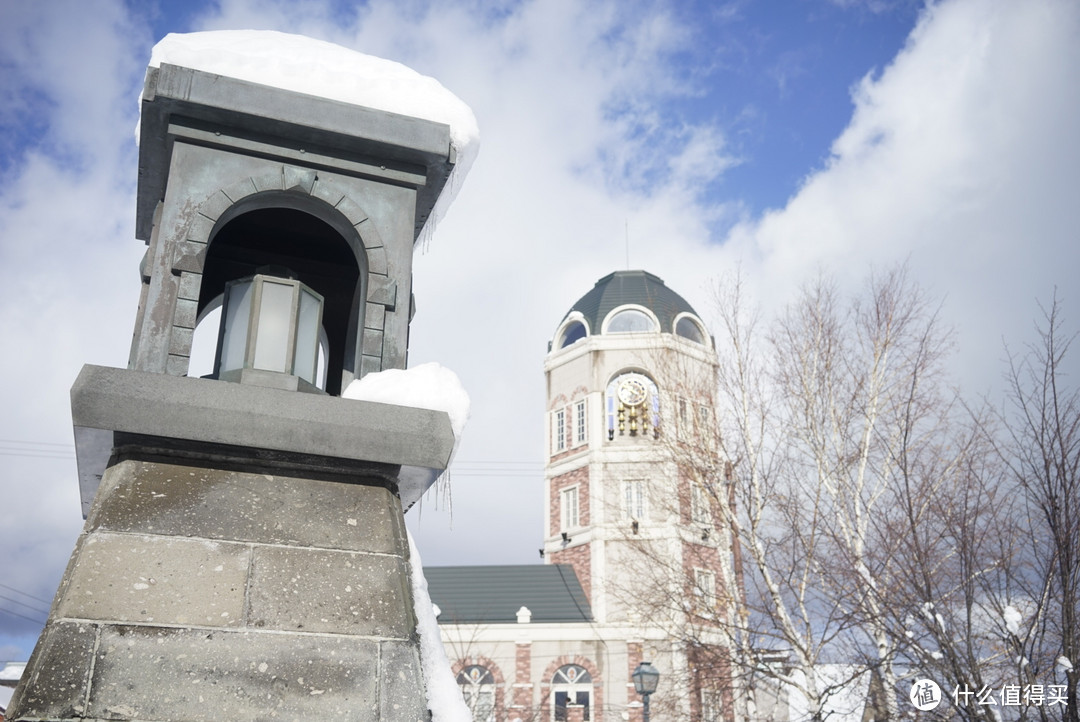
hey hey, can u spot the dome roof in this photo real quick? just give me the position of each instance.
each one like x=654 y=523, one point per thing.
x=631 y=287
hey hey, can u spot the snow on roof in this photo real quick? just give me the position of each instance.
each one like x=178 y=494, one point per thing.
x=315 y=67
x=12 y=671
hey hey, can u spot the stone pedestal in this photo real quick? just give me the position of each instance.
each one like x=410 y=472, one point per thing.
x=216 y=581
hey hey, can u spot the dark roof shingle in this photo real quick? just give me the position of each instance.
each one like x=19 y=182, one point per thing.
x=493 y=594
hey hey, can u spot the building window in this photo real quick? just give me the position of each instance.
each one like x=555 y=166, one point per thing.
x=559 y=432
x=631 y=320
x=704 y=421
x=575 y=331
x=478 y=689
x=700 y=507
x=581 y=429
x=705 y=589
x=712 y=705
x=687 y=328
x=634 y=499
x=684 y=419
x=571 y=684
x=569 y=508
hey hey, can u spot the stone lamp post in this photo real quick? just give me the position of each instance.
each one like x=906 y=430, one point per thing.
x=244 y=555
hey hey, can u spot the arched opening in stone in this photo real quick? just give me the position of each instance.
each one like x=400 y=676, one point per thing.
x=310 y=248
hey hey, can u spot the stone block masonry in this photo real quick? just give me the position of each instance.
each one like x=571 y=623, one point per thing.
x=199 y=593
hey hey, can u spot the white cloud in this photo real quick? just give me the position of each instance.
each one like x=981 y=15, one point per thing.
x=962 y=155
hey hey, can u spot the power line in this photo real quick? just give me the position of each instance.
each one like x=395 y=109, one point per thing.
x=22 y=616
x=24 y=604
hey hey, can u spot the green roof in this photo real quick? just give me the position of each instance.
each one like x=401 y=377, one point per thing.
x=637 y=287
x=493 y=594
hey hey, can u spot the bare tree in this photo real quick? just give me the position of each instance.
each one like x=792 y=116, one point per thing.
x=1043 y=452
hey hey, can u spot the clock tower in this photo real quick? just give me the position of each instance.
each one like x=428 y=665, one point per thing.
x=634 y=479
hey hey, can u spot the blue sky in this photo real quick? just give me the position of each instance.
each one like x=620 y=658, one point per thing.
x=779 y=137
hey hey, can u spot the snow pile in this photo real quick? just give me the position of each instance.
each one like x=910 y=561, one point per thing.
x=1012 y=618
x=427 y=386
x=316 y=67
x=444 y=695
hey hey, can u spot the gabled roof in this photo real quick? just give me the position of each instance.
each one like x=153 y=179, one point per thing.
x=637 y=287
x=493 y=594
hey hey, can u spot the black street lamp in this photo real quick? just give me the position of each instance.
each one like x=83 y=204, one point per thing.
x=645 y=677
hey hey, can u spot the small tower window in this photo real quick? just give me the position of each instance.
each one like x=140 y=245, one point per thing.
x=560 y=430
x=580 y=427
x=575 y=331
x=631 y=320
x=569 y=509
x=688 y=328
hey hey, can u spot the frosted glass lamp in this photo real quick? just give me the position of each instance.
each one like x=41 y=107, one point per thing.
x=270 y=333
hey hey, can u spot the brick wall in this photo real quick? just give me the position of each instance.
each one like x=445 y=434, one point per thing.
x=580 y=477
x=580 y=558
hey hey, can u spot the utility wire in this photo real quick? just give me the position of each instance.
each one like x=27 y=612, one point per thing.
x=30 y=596
x=23 y=604
x=22 y=616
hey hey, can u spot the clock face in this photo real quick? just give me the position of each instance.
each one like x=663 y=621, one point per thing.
x=632 y=392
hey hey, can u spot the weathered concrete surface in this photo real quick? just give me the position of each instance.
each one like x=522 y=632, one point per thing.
x=236 y=418
x=156 y=579
x=206 y=594
x=57 y=676
x=330 y=591
x=165 y=674
x=181 y=500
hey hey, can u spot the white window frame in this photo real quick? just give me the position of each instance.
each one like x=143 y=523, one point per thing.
x=558 y=432
x=704 y=421
x=712 y=705
x=700 y=505
x=635 y=499
x=705 y=588
x=569 y=508
x=581 y=428
x=683 y=419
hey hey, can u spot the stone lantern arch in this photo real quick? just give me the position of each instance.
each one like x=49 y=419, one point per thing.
x=356 y=340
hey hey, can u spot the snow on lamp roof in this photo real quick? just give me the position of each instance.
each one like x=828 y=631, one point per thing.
x=316 y=67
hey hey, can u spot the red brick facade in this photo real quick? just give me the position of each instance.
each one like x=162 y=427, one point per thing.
x=634 y=657
x=579 y=557
x=523 y=676
x=580 y=477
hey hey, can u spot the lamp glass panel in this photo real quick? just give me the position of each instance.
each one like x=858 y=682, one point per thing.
x=235 y=327
x=275 y=323
x=307 y=336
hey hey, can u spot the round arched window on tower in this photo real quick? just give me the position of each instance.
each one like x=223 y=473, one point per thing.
x=631 y=320
x=574 y=331
x=688 y=328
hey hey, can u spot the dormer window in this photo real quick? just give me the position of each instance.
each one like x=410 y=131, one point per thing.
x=689 y=329
x=631 y=320
x=575 y=331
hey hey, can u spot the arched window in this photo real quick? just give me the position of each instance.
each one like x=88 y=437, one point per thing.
x=478 y=689
x=631 y=320
x=571 y=684
x=575 y=331
x=688 y=328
